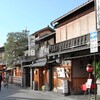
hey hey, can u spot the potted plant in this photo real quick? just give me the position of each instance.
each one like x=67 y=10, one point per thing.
x=97 y=66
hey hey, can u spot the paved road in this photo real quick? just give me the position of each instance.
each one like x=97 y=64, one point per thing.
x=15 y=92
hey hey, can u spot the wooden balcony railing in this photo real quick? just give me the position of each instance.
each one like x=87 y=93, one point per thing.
x=71 y=43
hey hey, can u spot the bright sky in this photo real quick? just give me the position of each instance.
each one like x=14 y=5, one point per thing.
x=16 y=15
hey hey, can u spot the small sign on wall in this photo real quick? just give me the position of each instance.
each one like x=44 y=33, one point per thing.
x=93 y=42
x=61 y=72
x=88 y=83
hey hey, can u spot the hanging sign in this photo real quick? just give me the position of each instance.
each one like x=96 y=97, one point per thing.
x=97 y=14
x=31 y=45
x=93 y=42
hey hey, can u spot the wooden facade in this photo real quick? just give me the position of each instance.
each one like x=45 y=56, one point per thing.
x=41 y=76
x=41 y=71
x=73 y=43
x=63 y=58
x=16 y=73
x=57 y=79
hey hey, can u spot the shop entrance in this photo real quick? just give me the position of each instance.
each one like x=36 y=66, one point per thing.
x=27 y=77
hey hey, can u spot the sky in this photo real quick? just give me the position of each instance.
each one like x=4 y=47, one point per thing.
x=16 y=15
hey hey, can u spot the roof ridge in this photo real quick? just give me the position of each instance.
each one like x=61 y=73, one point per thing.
x=71 y=11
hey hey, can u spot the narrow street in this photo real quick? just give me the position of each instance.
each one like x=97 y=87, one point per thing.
x=15 y=92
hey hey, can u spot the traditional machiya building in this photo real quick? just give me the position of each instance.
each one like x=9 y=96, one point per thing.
x=41 y=76
x=21 y=70
x=27 y=70
x=71 y=53
x=16 y=72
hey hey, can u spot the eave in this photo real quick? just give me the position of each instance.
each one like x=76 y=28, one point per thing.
x=56 y=21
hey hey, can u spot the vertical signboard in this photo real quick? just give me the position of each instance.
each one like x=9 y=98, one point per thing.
x=97 y=2
x=31 y=45
x=93 y=42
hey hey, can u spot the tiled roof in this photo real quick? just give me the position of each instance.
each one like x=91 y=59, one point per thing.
x=46 y=36
x=43 y=29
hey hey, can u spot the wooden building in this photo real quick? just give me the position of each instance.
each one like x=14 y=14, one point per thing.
x=41 y=71
x=72 y=49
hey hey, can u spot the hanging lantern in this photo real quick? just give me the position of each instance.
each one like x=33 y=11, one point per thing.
x=89 y=68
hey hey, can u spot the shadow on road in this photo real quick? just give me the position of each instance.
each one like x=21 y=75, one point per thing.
x=16 y=93
x=20 y=98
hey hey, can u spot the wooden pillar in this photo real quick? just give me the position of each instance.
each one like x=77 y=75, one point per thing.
x=50 y=77
x=31 y=77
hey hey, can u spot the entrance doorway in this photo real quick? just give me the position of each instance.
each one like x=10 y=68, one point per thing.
x=27 y=77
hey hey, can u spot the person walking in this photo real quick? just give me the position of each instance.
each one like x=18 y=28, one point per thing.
x=0 y=80
x=6 y=80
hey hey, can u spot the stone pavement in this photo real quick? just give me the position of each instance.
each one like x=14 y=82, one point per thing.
x=15 y=92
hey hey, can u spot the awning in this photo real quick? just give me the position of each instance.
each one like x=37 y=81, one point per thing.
x=54 y=61
x=9 y=68
x=26 y=66
x=39 y=63
x=81 y=56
